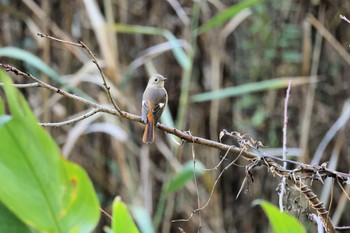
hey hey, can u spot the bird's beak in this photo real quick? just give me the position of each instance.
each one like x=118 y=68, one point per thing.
x=164 y=79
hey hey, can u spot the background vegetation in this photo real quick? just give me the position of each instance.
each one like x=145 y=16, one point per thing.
x=227 y=63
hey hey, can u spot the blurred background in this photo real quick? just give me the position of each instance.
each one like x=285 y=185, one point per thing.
x=228 y=65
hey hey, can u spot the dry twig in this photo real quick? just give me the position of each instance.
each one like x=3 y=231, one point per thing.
x=282 y=185
x=82 y=45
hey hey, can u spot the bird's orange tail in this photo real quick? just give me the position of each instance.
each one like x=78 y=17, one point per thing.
x=148 y=134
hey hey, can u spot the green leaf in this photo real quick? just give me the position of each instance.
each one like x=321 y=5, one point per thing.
x=270 y=84
x=226 y=15
x=10 y=223
x=81 y=209
x=183 y=176
x=42 y=189
x=281 y=222
x=122 y=220
x=2 y=108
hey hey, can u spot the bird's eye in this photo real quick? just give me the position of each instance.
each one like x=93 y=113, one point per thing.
x=156 y=80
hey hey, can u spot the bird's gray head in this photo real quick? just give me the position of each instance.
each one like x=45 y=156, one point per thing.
x=157 y=80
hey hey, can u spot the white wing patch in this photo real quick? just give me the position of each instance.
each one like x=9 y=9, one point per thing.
x=161 y=105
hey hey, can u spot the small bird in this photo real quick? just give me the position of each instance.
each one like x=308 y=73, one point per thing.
x=154 y=100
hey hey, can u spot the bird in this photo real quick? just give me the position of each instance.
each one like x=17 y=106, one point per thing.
x=154 y=100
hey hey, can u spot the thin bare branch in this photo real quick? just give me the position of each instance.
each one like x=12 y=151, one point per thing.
x=42 y=35
x=82 y=45
x=211 y=193
x=344 y=18
x=344 y=228
x=344 y=191
x=314 y=218
x=71 y=121
x=282 y=185
x=24 y=85
x=105 y=213
x=196 y=184
x=218 y=165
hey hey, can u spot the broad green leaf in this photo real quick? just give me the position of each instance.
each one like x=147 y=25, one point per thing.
x=183 y=176
x=2 y=108
x=81 y=209
x=122 y=220
x=143 y=219
x=226 y=15
x=45 y=191
x=36 y=62
x=281 y=222
x=10 y=223
x=270 y=84
x=178 y=52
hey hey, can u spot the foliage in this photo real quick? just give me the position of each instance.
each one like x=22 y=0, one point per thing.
x=10 y=223
x=122 y=220
x=281 y=222
x=41 y=188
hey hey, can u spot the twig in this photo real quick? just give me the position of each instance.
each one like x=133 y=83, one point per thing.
x=16 y=71
x=344 y=228
x=196 y=184
x=318 y=222
x=344 y=191
x=284 y=150
x=79 y=118
x=24 y=85
x=211 y=193
x=105 y=213
x=341 y=204
x=82 y=45
x=59 y=40
x=218 y=165
x=344 y=18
